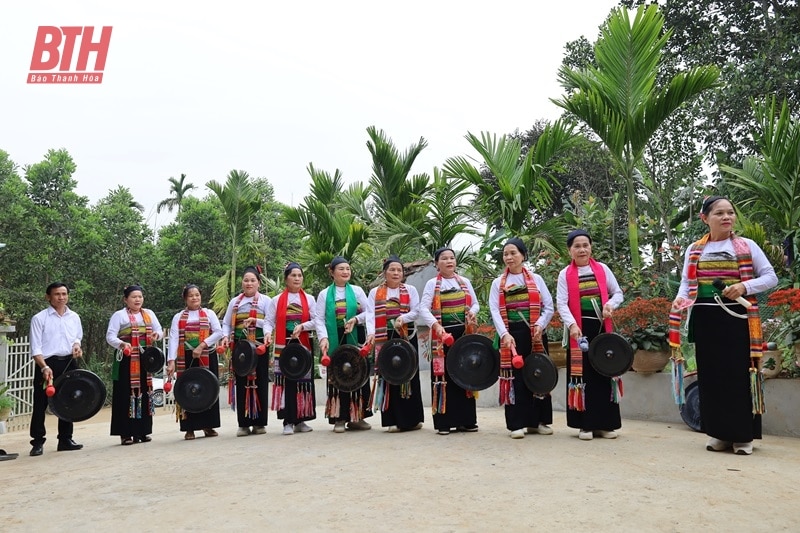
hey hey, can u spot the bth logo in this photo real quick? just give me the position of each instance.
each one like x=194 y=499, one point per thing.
x=54 y=51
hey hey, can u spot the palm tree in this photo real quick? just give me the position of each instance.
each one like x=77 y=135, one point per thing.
x=520 y=185
x=178 y=190
x=332 y=220
x=618 y=99
x=240 y=202
x=771 y=182
x=392 y=190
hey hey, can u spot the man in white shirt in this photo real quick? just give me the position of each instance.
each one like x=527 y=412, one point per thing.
x=56 y=335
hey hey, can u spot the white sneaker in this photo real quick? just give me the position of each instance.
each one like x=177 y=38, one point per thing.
x=259 y=430
x=743 y=448
x=717 y=445
x=393 y=429
x=338 y=427
x=302 y=427
x=242 y=432
x=518 y=434
x=443 y=431
x=605 y=434
x=541 y=430
x=361 y=424
x=288 y=429
x=418 y=426
x=585 y=435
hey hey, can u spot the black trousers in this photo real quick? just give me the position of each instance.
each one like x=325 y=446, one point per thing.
x=38 y=431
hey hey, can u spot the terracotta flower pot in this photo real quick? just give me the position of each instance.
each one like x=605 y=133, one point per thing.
x=558 y=354
x=5 y=412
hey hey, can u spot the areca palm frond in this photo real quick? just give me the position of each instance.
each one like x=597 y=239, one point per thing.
x=178 y=189
x=522 y=183
x=618 y=98
x=392 y=191
x=771 y=182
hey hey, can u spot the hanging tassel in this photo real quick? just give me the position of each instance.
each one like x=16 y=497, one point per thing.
x=132 y=406
x=439 y=403
x=386 y=393
x=232 y=390
x=151 y=406
x=373 y=391
x=354 y=411
x=139 y=405
x=616 y=389
x=405 y=390
x=378 y=394
x=757 y=389
x=506 y=388
x=278 y=400
x=678 y=369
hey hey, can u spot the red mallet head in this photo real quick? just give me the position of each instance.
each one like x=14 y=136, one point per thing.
x=167 y=386
x=325 y=360
x=50 y=391
x=220 y=350
x=261 y=349
x=448 y=339
x=364 y=351
x=126 y=350
x=517 y=362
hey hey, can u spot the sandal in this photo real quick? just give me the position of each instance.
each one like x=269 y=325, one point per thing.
x=189 y=435
x=209 y=432
x=7 y=456
x=126 y=441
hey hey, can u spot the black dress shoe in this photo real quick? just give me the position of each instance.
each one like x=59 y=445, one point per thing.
x=37 y=450
x=68 y=445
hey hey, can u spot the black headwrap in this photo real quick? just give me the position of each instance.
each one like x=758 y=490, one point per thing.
x=389 y=260
x=131 y=288
x=577 y=233
x=708 y=202
x=289 y=267
x=254 y=270
x=336 y=261
x=440 y=251
x=516 y=241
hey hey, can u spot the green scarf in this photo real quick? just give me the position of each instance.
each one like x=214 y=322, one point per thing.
x=330 y=316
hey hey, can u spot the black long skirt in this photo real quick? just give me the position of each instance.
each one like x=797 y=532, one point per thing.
x=345 y=398
x=528 y=410
x=405 y=413
x=722 y=350
x=460 y=408
x=262 y=391
x=121 y=423
x=206 y=419
x=601 y=412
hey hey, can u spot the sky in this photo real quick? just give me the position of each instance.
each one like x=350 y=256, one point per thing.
x=269 y=87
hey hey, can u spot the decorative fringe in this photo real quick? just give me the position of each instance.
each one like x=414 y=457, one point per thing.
x=757 y=389
x=439 y=397
x=278 y=394
x=380 y=394
x=616 y=389
x=405 y=390
x=305 y=401
x=506 y=387
x=232 y=390
x=576 y=395
x=252 y=404
x=355 y=407
x=678 y=391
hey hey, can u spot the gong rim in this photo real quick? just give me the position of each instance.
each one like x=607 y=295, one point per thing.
x=540 y=373
x=397 y=361
x=610 y=354
x=244 y=357
x=80 y=394
x=295 y=361
x=196 y=390
x=348 y=371
x=690 y=410
x=473 y=363
x=152 y=359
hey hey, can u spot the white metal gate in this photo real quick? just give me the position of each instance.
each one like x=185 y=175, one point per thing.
x=16 y=370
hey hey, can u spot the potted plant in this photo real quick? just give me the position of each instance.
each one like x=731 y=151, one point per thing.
x=555 y=341
x=787 y=331
x=644 y=322
x=7 y=403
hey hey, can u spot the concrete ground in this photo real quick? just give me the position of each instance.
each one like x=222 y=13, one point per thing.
x=654 y=477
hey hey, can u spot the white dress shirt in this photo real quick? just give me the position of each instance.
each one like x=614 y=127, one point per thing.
x=54 y=334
